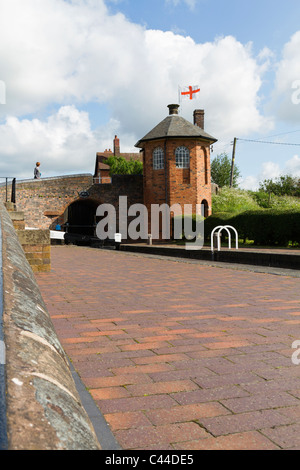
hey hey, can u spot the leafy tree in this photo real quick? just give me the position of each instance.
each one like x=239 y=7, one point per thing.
x=121 y=166
x=221 y=171
x=285 y=185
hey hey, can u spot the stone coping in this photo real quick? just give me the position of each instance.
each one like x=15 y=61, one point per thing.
x=43 y=407
x=48 y=178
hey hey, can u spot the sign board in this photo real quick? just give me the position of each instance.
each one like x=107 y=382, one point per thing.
x=84 y=194
x=118 y=237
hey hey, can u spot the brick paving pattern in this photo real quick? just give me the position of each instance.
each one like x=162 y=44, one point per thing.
x=179 y=355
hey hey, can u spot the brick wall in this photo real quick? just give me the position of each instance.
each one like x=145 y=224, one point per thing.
x=35 y=243
x=36 y=246
x=43 y=202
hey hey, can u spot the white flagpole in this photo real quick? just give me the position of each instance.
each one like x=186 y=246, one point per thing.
x=179 y=98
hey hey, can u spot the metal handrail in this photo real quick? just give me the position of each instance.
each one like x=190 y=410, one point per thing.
x=13 y=188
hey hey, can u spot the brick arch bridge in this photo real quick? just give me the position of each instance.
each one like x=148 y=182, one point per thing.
x=51 y=201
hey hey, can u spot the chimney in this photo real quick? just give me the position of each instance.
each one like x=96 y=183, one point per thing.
x=173 y=108
x=116 y=146
x=199 y=118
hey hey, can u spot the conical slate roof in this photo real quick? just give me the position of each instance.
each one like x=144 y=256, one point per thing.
x=175 y=126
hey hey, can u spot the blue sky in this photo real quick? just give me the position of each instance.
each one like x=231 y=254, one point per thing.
x=78 y=72
x=266 y=22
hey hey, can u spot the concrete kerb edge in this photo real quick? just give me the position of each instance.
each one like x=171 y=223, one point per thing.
x=43 y=407
x=261 y=262
x=102 y=430
x=127 y=250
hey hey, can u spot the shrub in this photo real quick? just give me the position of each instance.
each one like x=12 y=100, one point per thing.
x=121 y=166
x=270 y=200
x=266 y=226
x=233 y=201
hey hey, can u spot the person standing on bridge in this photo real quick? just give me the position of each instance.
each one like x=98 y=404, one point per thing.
x=37 y=173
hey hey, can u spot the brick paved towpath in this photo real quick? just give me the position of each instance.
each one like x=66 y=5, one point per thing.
x=180 y=355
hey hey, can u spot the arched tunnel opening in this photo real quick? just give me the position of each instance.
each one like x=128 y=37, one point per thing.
x=81 y=217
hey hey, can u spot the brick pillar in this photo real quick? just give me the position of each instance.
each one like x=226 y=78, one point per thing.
x=35 y=243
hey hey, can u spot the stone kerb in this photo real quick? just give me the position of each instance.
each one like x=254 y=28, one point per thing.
x=43 y=407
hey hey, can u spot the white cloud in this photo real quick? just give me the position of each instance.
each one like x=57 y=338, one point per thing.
x=63 y=143
x=70 y=53
x=249 y=183
x=60 y=142
x=292 y=166
x=287 y=76
x=268 y=170
x=190 y=3
x=272 y=170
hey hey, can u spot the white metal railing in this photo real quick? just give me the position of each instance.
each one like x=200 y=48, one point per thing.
x=220 y=228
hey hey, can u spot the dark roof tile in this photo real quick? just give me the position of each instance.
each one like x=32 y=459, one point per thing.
x=175 y=126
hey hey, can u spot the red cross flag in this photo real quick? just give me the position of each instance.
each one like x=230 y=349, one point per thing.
x=189 y=92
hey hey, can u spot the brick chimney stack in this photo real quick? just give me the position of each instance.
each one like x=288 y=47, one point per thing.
x=199 y=118
x=116 y=146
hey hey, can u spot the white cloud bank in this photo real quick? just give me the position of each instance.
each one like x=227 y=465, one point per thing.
x=190 y=3
x=70 y=53
x=272 y=170
x=64 y=143
x=286 y=95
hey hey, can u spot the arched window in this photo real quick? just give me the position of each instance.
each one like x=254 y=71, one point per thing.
x=158 y=158
x=182 y=156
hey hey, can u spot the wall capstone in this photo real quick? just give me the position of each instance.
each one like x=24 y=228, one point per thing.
x=43 y=407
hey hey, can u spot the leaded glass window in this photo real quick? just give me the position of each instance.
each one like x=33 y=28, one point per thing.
x=182 y=155
x=158 y=159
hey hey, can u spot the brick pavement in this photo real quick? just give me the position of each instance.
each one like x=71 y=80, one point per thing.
x=180 y=355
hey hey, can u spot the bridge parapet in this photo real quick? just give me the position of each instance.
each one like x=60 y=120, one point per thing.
x=43 y=409
x=43 y=200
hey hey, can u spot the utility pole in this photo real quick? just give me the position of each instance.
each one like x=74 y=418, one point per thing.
x=232 y=162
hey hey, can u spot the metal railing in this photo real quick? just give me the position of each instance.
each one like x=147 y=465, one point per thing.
x=13 y=188
x=219 y=230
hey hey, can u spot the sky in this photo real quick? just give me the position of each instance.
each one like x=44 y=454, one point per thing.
x=75 y=73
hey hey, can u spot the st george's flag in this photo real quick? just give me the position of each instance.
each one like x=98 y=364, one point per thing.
x=189 y=92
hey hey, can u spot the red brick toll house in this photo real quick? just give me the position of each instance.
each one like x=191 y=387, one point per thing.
x=176 y=161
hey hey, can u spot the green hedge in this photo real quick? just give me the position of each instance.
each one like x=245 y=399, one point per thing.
x=265 y=227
